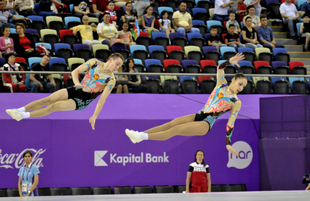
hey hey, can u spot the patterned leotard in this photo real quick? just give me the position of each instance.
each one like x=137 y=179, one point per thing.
x=95 y=83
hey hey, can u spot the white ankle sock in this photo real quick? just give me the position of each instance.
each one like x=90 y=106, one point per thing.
x=25 y=114
x=22 y=109
x=145 y=136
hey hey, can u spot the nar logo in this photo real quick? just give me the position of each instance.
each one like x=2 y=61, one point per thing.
x=245 y=155
x=98 y=155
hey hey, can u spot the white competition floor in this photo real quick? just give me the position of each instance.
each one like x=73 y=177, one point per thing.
x=223 y=196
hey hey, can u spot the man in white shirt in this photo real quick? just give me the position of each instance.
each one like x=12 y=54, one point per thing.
x=221 y=10
x=290 y=16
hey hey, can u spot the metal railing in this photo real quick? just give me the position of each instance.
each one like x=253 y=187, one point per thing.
x=160 y=74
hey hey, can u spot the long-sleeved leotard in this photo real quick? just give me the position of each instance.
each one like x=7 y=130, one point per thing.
x=220 y=101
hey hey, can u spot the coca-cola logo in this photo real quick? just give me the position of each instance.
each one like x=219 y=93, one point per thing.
x=16 y=160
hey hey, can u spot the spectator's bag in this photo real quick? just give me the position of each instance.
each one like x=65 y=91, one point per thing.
x=42 y=50
x=116 y=40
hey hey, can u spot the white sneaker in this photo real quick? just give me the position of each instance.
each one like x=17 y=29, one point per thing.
x=15 y=114
x=134 y=136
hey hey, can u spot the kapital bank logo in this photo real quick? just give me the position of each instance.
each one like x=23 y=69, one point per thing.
x=100 y=155
x=10 y=160
x=245 y=155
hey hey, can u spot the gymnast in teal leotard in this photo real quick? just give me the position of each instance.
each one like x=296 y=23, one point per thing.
x=222 y=99
x=98 y=80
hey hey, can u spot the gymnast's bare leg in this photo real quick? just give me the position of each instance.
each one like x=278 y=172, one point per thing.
x=185 y=126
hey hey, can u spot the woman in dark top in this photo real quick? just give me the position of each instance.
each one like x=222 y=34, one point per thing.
x=134 y=81
x=23 y=43
x=128 y=15
x=249 y=34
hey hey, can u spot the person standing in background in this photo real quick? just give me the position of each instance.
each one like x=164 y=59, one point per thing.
x=28 y=176
x=198 y=175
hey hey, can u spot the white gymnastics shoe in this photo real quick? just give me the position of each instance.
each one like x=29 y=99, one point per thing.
x=134 y=136
x=15 y=114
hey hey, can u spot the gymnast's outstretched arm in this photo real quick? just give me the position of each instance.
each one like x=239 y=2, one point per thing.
x=107 y=90
x=230 y=126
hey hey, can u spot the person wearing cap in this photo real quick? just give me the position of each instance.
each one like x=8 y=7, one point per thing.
x=13 y=81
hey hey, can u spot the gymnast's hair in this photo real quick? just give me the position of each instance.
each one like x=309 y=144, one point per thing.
x=116 y=55
x=239 y=75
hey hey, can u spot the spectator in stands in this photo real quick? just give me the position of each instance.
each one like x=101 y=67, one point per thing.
x=256 y=4
x=148 y=20
x=126 y=35
x=81 y=7
x=121 y=82
x=183 y=20
x=5 y=15
x=198 y=175
x=128 y=15
x=232 y=17
x=305 y=30
x=165 y=24
x=249 y=34
x=241 y=10
x=15 y=80
x=255 y=18
x=113 y=16
x=10 y=6
x=6 y=43
x=221 y=9
x=232 y=39
x=86 y=31
x=44 y=8
x=99 y=6
x=106 y=31
x=23 y=43
x=141 y=5
x=25 y=7
x=134 y=81
x=265 y=35
x=290 y=16
x=305 y=7
x=43 y=82
x=214 y=39
x=28 y=176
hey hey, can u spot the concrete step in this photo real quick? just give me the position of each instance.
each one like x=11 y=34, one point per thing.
x=306 y=61
x=280 y=34
x=298 y=54
x=294 y=48
x=286 y=41
x=276 y=28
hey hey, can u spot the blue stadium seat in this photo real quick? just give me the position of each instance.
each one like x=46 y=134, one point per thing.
x=298 y=29
x=155 y=47
x=278 y=50
x=155 y=62
x=61 y=45
x=71 y=19
x=162 y=8
x=199 y=10
x=223 y=50
x=35 y=17
x=198 y=22
x=158 y=34
x=206 y=49
x=31 y=31
x=193 y=35
x=276 y=64
x=213 y=22
x=245 y=49
x=299 y=3
x=293 y=79
x=137 y=61
x=56 y=60
x=31 y=60
x=12 y=30
x=244 y=63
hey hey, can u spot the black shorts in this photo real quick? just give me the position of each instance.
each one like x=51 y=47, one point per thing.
x=81 y=98
x=210 y=118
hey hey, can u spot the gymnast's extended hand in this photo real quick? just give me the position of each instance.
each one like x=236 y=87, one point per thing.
x=230 y=149
x=92 y=122
x=236 y=58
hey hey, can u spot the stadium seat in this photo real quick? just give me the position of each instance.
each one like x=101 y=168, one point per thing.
x=190 y=66
x=294 y=64
x=75 y=62
x=193 y=52
x=44 y=191
x=213 y=23
x=189 y=86
x=263 y=87
x=274 y=10
x=144 y=40
x=50 y=36
x=12 y=193
x=262 y=67
x=157 y=52
x=49 y=19
x=37 y=23
x=263 y=54
x=211 y=53
x=31 y=31
x=153 y=85
x=171 y=3
x=83 y=51
x=248 y=53
x=299 y=3
x=280 y=54
x=178 y=39
x=63 y=50
x=298 y=85
x=198 y=22
x=203 y=4
x=54 y=60
x=179 y=188
x=65 y=32
x=208 y=66
x=81 y=191
x=139 y=52
x=227 y=52
x=280 y=67
x=207 y=85
x=175 y=52
x=101 y=51
x=170 y=86
x=60 y=191
x=246 y=67
x=162 y=8
x=196 y=39
x=47 y=45
x=200 y=13
x=72 y=21
x=172 y=66
x=160 y=38
x=153 y=65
